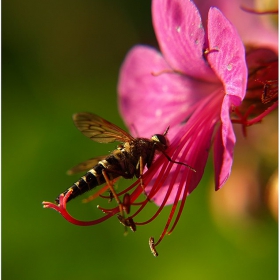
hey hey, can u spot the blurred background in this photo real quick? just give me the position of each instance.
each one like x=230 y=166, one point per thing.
x=63 y=57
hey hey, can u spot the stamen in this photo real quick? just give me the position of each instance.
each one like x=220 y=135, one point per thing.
x=109 y=197
x=127 y=222
x=140 y=202
x=129 y=188
x=165 y=198
x=61 y=208
x=160 y=177
x=126 y=203
x=131 y=224
x=182 y=204
x=176 y=200
x=153 y=246
x=104 y=210
x=123 y=222
x=243 y=119
x=184 y=184
x=122 y=219
x=261 y=116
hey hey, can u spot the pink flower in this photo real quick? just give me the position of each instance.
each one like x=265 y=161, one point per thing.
x=191 y=86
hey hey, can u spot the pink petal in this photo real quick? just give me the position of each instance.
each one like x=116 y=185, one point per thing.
x=150 y=97
x=223 y=146
x=230 y=66
x=228 y=61
x=181 y=36
x=256 y=30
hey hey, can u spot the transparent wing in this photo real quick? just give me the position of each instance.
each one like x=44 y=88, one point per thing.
x=100 y=130
x=85 y=166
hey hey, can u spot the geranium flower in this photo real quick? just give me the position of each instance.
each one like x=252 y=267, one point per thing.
x=190 y=86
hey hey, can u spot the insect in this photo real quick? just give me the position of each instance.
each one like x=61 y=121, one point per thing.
x=128 y=160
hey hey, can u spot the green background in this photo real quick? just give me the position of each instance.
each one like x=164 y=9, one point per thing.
x=62 y=57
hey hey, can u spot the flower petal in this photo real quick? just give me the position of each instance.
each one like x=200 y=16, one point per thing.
x=223 y=146
x=190 y=145
x=181 y=36
x=152 y=96
x=227 y=55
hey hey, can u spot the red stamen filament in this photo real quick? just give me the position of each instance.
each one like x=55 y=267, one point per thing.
x=61 y=208
x=244 y=119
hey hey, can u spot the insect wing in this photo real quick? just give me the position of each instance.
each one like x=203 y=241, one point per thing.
x=85 y=166
x=100 y=130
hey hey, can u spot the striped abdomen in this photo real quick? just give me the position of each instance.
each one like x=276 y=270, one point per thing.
x=93 y=178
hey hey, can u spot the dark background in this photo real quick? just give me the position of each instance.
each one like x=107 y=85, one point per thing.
x=62 y=57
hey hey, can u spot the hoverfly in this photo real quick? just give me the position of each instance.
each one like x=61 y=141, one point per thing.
x=128 y=160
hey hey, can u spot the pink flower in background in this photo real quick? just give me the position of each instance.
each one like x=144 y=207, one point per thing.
x=257 y=28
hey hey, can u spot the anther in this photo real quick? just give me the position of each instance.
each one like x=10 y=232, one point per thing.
x=131 y=224
x=126 y=203
x=127 y=222
x=152 y=246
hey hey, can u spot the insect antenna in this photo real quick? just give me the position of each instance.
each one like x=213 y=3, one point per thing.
x=173 y=161
x=166 y=130
x=177 y=162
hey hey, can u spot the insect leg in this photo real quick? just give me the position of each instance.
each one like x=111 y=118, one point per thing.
x=141 y=167
x=104 y=173
x=141 y=172
x=152 y=154
x=177 y=162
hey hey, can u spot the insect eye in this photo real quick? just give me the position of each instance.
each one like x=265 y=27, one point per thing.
x=161 y=139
